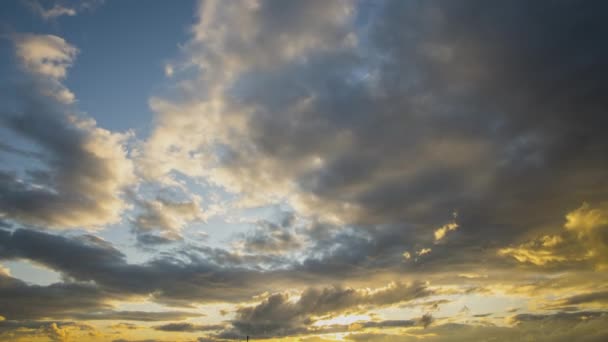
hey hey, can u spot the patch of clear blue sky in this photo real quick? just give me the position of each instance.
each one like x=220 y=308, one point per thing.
x=123 y=45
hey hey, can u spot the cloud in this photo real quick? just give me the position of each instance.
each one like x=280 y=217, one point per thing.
x=583 y=326
x=595 y=297
x=372 y=129
x=581 y=242
x=423 y=251
x=79 y=301
x=47 y=58
x=272 y=238
x=441 y=232
x=82 y=169
x=60 y=9
x=280 y=315
x=368 y=121
x=181 y=278
x=187 y=327
x=142 y=316
x=46 y=330
x=45 y=55
x=167 y=217
x=22 y=301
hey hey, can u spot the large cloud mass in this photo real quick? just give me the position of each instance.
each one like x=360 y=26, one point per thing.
x=455 y=151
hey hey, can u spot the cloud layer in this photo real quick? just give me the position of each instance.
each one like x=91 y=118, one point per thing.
x=322 y=170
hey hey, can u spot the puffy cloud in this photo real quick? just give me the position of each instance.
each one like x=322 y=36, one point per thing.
x=46 y=58
x=281 y=315
x=82 y=170
x=46 y=55
x=167 y=217
x=61 y=331
x=208 y=141
x=56 y=333
x=453 y=107
x=368 y=121
x=272 y=238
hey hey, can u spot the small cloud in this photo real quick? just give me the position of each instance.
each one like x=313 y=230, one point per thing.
x=46 y=55
x=424 y=251
x=426 y=319
x=442 y=231
x=169 y=70
x=4 y=271
x=59 y=10
x=50 y=13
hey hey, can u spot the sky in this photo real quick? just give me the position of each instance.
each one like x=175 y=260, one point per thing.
x=313 y=171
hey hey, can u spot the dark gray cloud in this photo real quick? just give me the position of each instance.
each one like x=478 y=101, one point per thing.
x=376 y=124
x=585 y=298
x=273 y=238
x=21 y=301
x=188 y=327
x=493 y=111
x=277 y=315
x=4 y=147
x=583 y=326
x=178 y=277
x=456 y=104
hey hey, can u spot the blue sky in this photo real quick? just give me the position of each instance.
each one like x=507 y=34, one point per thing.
x=126 y=59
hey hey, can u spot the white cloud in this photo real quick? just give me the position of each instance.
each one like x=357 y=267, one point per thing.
x=46 y=55
x=86 y=167
x=60 y=9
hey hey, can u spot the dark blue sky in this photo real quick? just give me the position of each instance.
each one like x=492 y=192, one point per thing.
x=123 y=45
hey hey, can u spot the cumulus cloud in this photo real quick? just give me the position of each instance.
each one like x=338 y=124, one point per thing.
x=61 y=331
x=166 y=217
x=47 y=58
x=46 y=55
x=368 y=121
x=281 y=315
x=272 y=238
x=82 y=168
x=293 y=112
